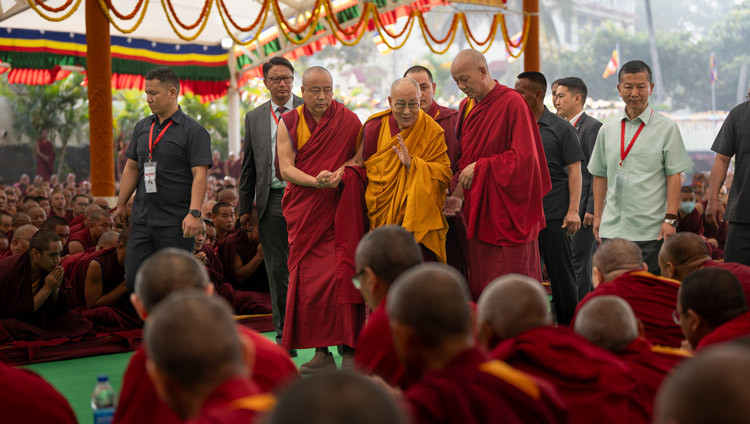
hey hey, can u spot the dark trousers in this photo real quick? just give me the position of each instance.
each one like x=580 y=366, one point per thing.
x=584 y=245
x=650 y=251
x=737 y=246
x=145 y=241
x=555 y=250
x=275 y=242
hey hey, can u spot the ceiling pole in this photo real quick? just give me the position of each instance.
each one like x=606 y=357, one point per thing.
x=531 y=60
x=233 y=104
x=99 y=70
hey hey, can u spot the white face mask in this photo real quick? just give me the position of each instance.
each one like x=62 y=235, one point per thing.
x=687 y=207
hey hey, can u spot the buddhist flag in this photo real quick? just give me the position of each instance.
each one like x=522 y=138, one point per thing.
x=614 y=63
x=712 y=65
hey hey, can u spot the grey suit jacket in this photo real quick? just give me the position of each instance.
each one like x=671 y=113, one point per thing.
x=587 y=129
x=256 y=166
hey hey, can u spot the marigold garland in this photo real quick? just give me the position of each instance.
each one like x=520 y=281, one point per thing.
x=264 y=14
x=201 y=18
x=119 y=15
x=103 y=4
x=261 y=14
x=53 y=9
x=33 y=4
x=202 y=25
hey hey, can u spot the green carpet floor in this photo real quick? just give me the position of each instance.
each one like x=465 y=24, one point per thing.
x=76 y=378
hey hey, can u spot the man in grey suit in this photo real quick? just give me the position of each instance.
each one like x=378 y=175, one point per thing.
x=569 y=101
x=261 y=180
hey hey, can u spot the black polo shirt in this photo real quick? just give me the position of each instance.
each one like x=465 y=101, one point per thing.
x=561 y=148
x=185 y=144
x=734 y=140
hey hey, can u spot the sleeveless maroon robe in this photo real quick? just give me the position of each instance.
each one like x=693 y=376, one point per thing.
x=251 y=296
x=83 y=237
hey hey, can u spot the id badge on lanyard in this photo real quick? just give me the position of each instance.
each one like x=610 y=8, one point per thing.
x=149 y=168
x=619 y=179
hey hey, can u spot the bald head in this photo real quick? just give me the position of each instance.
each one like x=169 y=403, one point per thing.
x=227 y=195
x=98 y=215
x=37 y=216
x=469 y=57
x=21 y=218
x=615 y=256
x=167 y=271
x=681 y=254
x=432 y=299
x=22 y=235
x=315 y=71
x=107 y=240
x=511 y=305
x=608 y=322
x=713 y=387
x=193 y=340
x=409 y=86
x=90 y=209
x=388 y=251
x=336 y=398
x=714 y=294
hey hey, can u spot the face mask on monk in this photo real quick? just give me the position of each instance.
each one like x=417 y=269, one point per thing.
x=687 y=207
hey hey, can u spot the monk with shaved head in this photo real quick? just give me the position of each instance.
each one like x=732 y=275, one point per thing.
x=168 y=271
x=108 y=239
x=98 y=223
x=19 y=242
x=431 y=322
x=502 y=168
x=21 y=218
x=59 y=226
x=711 y=308
x=711 y=388
x=609 y=322
x=515 y=325
x=408 y=169
x=619 y=270
x=79 y=224
x=197 y=362
x=685 y=253
x=38 y=216
x=317 y=150
x=382 y=255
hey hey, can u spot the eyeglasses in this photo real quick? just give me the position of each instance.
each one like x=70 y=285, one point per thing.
x=275 y=80
x=356 y=281
x=398 y=107
x=676 y=316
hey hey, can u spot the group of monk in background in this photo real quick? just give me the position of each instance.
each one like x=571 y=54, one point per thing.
x=415 y=246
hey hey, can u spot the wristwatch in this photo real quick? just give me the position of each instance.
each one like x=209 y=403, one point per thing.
x=671 y=219
x=195 y=212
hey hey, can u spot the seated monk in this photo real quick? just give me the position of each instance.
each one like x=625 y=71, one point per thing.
x=223 y=219
x=207 y=255
x=20 y=241
x=683 y=254
x=357 y=400
x=198 y=364
x=107 y=240
x=207 y=209
x=408 y=169
x=618 y=269
x=165 y=272
x=79 y=223
x=382 y=255
x=21 y=218
x=60 y=227
x=4 y=243
x=26 y=398
x=715 y=231
x=79 y=204
x=31 y=305
x=711 y=388
x=211 y=236
x=6 y=224
x=97 y=224
x=57 y=204
x=609 y=322
x=515 y=325
x=38 y=216
x=711 y=308
x=690 y=214
x=454 y=382
x=241 y=257
x=97 y=282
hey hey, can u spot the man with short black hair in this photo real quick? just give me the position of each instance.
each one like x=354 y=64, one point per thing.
x=261 y=181
x=690 y=214
x=168 y=159
x=636 y=164
x=561 y=204
x=570 y=100
x=59 y=226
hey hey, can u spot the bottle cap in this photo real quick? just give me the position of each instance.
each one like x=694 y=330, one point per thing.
x=102 y=378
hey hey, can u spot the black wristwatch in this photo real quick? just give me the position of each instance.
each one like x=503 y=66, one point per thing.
x=195 y=212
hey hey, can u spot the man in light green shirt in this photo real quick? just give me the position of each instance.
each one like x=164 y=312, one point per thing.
x=636 y=164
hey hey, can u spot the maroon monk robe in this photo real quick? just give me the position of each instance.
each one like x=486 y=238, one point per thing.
x=742 y=272
x=45 y=165
x=322 y=310
x=77 y=222
x=503 y=207
x=83 y=237
x=717 y=232
x=26 y=398
x=473 y=389
x=652 y=298
x=216 y=274
x=733 y=329
x=447 y=119
x=272 y=370
x=235 y=401
x=5 y=253
x=251 y=296
x=690 y=223
x=17 y=315
x=375 y=353
x=650 y=364
x=119 y=316
x=595 y=384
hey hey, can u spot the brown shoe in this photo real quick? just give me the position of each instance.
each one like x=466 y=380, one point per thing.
x=321 y=361
x=347 y=362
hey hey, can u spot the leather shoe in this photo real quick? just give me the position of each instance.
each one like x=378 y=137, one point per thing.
x=347 y=362
x=321 y=361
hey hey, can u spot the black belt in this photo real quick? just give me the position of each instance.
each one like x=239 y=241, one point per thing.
x=278 y=190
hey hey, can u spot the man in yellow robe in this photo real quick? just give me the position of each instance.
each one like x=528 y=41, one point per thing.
x=408 y=169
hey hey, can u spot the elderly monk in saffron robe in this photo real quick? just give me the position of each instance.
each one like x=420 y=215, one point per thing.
x=618 y=269
x=515 y=325
x=32 y=306
x=711 y=308
x=609 y=322
x=166 y=272
x=502 y=175
x=317 y=149
x=455 y=382
x=408 y=169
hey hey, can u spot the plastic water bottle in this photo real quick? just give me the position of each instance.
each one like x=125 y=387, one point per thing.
x=103 y=401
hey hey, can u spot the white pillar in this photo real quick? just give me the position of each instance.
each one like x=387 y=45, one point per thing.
x=233 y=105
